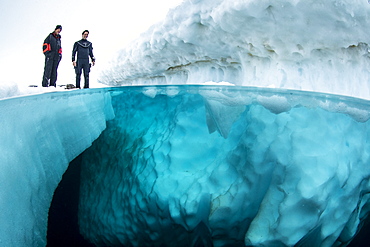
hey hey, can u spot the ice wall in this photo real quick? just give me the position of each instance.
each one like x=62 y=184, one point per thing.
x=296 y=44
x=228 y=166
x=39 y=136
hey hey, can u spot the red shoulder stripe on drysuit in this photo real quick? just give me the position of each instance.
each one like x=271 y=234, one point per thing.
x=47 y=47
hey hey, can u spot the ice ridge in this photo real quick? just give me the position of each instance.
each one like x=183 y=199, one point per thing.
x=304 y=45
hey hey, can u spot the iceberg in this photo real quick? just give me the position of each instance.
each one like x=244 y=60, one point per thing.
x=274 y=153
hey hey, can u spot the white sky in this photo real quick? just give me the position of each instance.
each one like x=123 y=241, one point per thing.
x=113 y=24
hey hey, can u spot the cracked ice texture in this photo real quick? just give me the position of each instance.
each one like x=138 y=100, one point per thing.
x=198 y=165
x=295 y=44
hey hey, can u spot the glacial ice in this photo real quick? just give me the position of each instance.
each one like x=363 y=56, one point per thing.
x=226 y=166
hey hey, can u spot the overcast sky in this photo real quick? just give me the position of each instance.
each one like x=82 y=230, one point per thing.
x=24 y=24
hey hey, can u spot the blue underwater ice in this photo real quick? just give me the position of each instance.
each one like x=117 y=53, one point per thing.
x=188 y=165
x=227 y=166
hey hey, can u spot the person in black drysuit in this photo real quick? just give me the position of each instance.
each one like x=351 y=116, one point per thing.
x=52 y=49
x=84 y=50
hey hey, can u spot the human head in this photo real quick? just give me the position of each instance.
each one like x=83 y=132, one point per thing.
x=85 y=34
x=58 y=29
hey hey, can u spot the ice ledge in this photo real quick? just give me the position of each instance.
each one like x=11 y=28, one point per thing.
x=39 y=136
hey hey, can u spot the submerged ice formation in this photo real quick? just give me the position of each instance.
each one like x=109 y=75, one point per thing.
x=189 y=165
x=227 y=166
x=39 y=136
x=295 y=44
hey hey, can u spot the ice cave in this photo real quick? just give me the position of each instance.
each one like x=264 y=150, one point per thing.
x=230 y=123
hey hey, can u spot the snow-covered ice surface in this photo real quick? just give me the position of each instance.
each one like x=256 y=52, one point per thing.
x=40 y=135
x=221 y=165
x=307 y=45
x=12 y=89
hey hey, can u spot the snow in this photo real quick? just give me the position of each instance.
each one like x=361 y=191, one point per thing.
x=236 y=158
x=293 y=44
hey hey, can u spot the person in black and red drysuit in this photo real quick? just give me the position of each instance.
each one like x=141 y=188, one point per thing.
x=84 y=50
x=52 y=49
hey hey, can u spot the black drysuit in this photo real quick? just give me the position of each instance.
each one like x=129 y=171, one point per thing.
x=84 y=50
x=52 y=49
